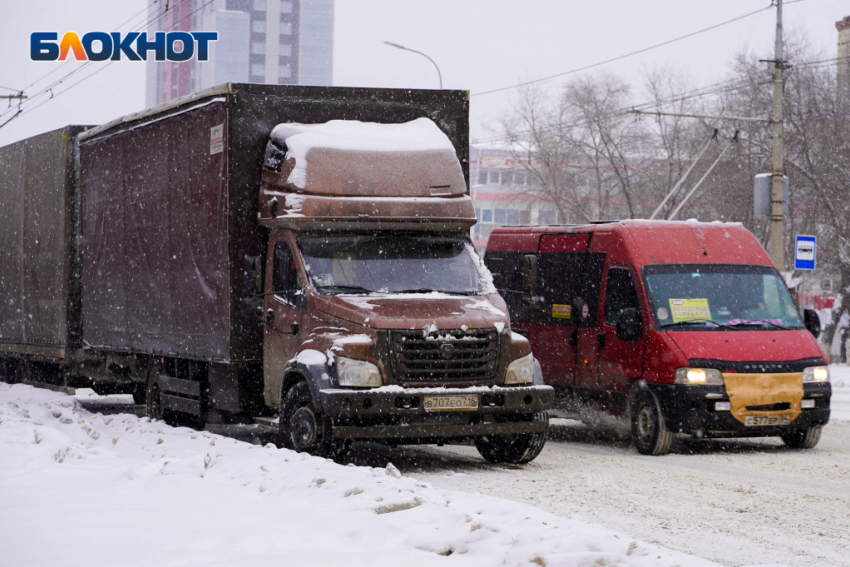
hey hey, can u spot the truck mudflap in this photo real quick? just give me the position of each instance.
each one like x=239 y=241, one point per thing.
x=436 y=413
x=689 y=409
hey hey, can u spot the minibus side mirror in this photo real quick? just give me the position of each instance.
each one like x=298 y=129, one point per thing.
x=812 y=321
x=530 y=300
x=629 y=325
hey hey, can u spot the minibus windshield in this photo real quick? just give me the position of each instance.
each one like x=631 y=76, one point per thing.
x=391 y=263
x=719 y=297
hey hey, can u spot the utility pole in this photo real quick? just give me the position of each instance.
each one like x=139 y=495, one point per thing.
x=776 y=235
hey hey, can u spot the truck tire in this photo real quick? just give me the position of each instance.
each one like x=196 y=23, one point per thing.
x=805 y=438
x=302 y=428
x=517 y=449
x=649 y=430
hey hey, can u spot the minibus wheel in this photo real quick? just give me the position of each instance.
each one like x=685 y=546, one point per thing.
x=805 y=438
x=649 y=430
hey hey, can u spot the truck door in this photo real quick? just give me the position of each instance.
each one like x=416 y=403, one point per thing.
x=283 y=318
x=619 y=360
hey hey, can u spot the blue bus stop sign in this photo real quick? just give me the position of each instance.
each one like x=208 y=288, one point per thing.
x=804 y=252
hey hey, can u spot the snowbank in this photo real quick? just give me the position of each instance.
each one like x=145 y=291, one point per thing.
x=78 y=488
x=839 y=375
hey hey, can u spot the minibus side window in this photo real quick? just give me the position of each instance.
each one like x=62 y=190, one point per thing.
x=620 y=294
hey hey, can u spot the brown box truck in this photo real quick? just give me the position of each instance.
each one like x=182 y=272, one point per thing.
x=256 y=250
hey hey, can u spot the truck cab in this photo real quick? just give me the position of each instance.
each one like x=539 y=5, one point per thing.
x=676 y=327
x=380 y=321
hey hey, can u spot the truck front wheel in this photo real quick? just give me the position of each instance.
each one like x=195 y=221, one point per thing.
x=805 y=438
x=304 y=429
x=649 y=430
x=516 y=449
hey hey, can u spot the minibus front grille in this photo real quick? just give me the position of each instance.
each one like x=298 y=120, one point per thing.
x=756 y=367
x=444 y=355
x=781 y=406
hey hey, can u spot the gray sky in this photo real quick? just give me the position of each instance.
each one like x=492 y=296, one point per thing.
x=478 y=44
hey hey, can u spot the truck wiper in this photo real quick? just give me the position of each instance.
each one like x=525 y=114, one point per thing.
x=346 y=289
x=430 y=290
x=697 y=322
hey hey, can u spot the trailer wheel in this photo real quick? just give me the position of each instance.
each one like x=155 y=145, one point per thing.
x=302 y=428
x=517 y=449
x=805 y=438
x=649 y=430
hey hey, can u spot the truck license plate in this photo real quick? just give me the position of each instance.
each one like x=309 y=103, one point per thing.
x=451 y=403
x=767 y=420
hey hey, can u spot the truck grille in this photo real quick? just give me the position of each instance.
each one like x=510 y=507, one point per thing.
x=444 y=356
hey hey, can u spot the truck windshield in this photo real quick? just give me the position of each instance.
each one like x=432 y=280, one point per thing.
x=395 y=263
x=719 y=297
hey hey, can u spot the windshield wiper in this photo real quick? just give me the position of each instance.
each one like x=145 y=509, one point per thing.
x=697 y=322
x=760 y=322
x=345 y=288
x=431 y=290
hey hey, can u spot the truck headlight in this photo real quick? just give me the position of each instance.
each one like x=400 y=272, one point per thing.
x=357 y=373
x=816 y=374
x=699 y=376
x=521 y=370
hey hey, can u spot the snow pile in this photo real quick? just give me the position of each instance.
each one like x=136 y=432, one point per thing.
x=84 y=489
x=415 y=136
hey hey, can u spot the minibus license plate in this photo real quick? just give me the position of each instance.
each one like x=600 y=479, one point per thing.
x=767 y=420
x=451 y=403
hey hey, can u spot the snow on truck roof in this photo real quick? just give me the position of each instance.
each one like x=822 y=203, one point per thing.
x=353 y=158
x=369 y=172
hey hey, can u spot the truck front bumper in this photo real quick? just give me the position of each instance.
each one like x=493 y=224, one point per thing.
x=689 y=409
x=400 y=414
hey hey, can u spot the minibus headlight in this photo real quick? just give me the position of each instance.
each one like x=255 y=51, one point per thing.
x=520 y=371
x=357 y=373
x=816 y=374
x=699 y=376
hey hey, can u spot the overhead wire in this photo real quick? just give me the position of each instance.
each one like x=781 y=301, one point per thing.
x=624 y=56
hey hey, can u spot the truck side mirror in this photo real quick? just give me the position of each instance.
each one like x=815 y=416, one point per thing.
x=812 y=321
x=252 y=274
x=629 y=325
x=530 y=300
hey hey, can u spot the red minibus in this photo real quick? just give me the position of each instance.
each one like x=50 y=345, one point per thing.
x=680 y=327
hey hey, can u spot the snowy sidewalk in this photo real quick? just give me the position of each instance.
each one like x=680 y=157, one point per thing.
x=84 y=489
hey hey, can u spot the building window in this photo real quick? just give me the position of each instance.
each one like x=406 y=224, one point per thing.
x=486 y=215
x=258 y=47
x=519 y=177
x=260 y=5
x=494 y=177
x=482 y=177
x=285 y=49
x=285 y=71
x=546 y=217
x=513 y=217
x=507 y=178
x=499 y=216
x=258 y=26
x=258 y=69
x=286 y=7
x=285 y=28
x=525 y=217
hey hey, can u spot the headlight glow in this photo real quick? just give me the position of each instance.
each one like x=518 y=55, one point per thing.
x=816 y=374
x=520 y=371
x=357 y=373
x=699 y=376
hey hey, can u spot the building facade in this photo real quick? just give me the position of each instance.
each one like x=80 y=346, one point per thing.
x=284 y=42
x=502 y=188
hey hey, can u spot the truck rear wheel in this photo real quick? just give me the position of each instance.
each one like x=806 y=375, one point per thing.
x=304 y=429
x=517 y=449
x=805 y=438
x=649 y=430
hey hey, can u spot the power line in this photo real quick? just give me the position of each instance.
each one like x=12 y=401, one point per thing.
x=619 y=57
